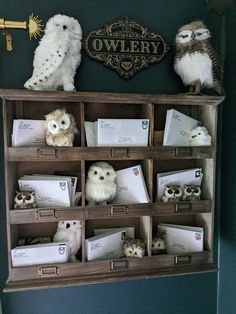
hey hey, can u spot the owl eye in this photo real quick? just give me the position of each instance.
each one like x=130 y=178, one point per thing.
x=199 y=133
x=62 y=122
x=188 y=190
x=108 y=173
x=177 y=191
x=135 y=253
x=63 y=222
x=19 y=197
x=28 y=198
x=95 y=172
x=55 y=126
x=184 y=36
x=195 y=190
x=74 y=223
x=130 y=252
x=170 y=191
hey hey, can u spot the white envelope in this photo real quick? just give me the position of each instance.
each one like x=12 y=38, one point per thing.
x=182 y=239
x=28 y=133
x=131 y=187
x=48 y=193
x=105 y=246
x=189 y=176
x=122 y=132
x=177 y=128
x=40 y=254
x=129 y=231
x=91 y=133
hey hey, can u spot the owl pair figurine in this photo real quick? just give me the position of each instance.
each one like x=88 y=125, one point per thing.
x=176 y=193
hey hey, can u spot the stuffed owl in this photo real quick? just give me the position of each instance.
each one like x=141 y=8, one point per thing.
x=191 y=193
x=159 y=243
x=70 y=231
x=58 y=55
x=133 y=248
x=199 y=137
x=100 y=184
x=60 y=128
x=24 y=200
x=196 y=61
x=172 y=193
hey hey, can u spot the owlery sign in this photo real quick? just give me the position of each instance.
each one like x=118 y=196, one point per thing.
x=125 y=46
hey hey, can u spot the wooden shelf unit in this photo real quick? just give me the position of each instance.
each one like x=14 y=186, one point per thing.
x=23 y=104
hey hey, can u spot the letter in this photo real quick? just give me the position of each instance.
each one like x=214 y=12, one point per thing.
x=145 y=47
x=112 y=45
x=122 y=46
x=155 y=45
x=97 y=44
x=134 y=46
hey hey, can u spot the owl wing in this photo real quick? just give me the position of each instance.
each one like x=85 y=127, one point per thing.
x=217 y=69
x=46 y=66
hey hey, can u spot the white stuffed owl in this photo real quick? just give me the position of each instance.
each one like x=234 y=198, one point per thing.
x=191 y=193
x=60 y=128
x=58 y=55
x=172 y=193
x=100 y=184
x=70 y=231
x=133 y=248
x=199 y=136
x=24 y=199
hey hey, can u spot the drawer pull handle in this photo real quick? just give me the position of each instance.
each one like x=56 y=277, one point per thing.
x=46 y=272
x=119 y=265
x=45 y=153
x=182 y=207
x=120 y=152
x=182 y=259
x=118 y=210
x=183 y=151
x=45 y=214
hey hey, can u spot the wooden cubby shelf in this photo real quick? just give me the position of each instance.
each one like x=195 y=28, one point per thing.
x=155 y=158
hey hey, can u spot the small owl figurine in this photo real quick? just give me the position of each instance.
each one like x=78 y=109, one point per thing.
x=58 y=55
x=60 y=128
x=199 y=137
x=133 y=248
x=100 y=184
x=172 y=193
x=191 y=193
x=70 y=231
x=24 y=200
x=159 y=243
x=196 y=61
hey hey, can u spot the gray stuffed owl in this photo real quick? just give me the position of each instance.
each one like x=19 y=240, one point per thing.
x=196 y=61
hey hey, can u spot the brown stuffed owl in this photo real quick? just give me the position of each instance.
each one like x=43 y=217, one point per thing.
x=60 y=128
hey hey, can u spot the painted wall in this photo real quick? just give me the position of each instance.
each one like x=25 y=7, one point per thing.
x=195 y=294
x=227 y=277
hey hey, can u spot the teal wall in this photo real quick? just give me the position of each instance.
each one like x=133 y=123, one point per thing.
x=195 y=294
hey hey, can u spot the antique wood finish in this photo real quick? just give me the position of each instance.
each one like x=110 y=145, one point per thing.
x=86 y=106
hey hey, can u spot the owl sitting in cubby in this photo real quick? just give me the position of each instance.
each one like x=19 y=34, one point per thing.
x=60 y=128
x=133 y=248
x=192 y=193
x=24 y=200
x=172 y=193
x=159 y=243
x=70 y=231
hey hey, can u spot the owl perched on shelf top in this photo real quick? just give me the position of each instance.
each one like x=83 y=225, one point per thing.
x=196 y=61
x=58 y=55
x=100 y=184
x=60 y=128
x=133 y=248
x=172 y=193
x=191 y=193
x=24 y=200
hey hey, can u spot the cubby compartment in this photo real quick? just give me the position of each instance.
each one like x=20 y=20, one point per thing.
x=36 y=110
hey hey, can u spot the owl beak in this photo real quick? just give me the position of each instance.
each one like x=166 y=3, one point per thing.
x=192 y=35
